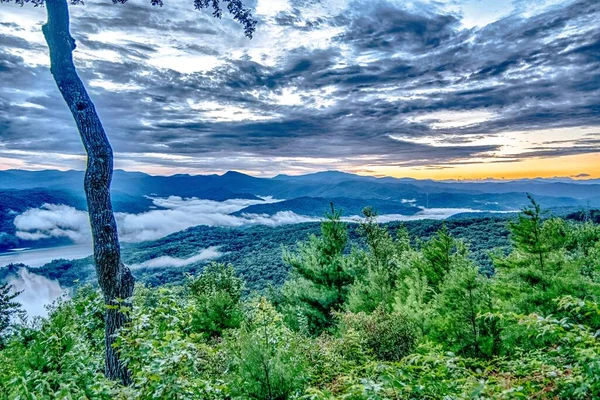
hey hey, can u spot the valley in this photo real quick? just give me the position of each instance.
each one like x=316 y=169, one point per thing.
x=299 y=200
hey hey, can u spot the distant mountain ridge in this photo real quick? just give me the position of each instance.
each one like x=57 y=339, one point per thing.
x=317 y=206
x=325 y=184
x=305 y=195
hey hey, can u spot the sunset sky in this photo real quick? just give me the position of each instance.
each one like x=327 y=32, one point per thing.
x=457 y=89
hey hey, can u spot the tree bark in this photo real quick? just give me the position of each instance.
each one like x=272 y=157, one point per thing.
x=114 y=278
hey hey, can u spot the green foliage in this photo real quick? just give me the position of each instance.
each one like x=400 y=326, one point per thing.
x=413 y=300
x=269 y=360
x=320 y=274
x=375 y=317
x=567 y=368
x=584 y=240
x=551 y=259
x=527 y=235
x=463 y=296
x=440 y=253
x=60 y=357
x=216 y=294
x=379 y=267
x=389 y=337
x=9 y=309
x=166 y=360
x=429 y=374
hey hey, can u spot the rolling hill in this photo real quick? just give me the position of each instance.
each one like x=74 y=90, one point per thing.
x=305 y=195
x=330 y=184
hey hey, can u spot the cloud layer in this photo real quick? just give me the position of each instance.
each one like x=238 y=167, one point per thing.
x=176 y=214
x=167 y=261
x=37 y=292
x=344 y=84
x=51 y=221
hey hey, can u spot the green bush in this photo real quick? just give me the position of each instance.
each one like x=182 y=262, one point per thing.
x=166 y=358
x=268 y=360
x=216 y=297
x=389 y=337
x=60 y=357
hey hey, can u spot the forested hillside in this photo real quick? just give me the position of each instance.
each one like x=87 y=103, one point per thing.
x=256 y=252
x=368 y=312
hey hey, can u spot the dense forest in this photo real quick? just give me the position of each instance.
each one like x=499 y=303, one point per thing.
x=383 y=316
x=256 y=252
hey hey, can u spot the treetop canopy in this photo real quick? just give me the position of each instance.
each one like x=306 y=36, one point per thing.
x=236 y=8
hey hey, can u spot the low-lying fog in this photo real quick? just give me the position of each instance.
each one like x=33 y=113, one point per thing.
x=36 y=292
x=176 y=214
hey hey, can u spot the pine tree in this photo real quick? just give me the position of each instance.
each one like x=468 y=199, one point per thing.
x=413 y=300
x=9 y=308
x=217 y=293
x=527 y=236
x=380 y=266
x=439 y=253
x=540 y=268
x=463 y=296
x=320 y=273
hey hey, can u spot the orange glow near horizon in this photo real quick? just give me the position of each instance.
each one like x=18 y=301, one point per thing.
x=583 y=166
x=565 y=166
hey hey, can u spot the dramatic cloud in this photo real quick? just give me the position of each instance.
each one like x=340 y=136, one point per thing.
x=344 y=84
x=37 y=292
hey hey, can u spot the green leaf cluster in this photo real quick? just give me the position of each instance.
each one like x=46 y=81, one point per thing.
x=385 y=316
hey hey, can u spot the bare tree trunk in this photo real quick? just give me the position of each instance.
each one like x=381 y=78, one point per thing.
x=114 y=278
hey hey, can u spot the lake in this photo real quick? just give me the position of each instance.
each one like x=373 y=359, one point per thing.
x=39 y=257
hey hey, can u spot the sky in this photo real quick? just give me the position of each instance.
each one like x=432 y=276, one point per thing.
x=456 y=89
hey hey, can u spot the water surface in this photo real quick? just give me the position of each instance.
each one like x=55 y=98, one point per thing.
x=39 y=257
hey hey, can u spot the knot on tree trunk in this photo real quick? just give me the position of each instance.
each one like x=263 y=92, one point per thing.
x=114 y=277
x=127 y=279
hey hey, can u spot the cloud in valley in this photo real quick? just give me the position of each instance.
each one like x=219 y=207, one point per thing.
x=167 y=261
x=425 y=213
x=179 y=214
x=53 y=221
x=37 y=292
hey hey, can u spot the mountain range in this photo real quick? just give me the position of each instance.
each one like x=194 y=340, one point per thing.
x=307 y=195
x=322 y=184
